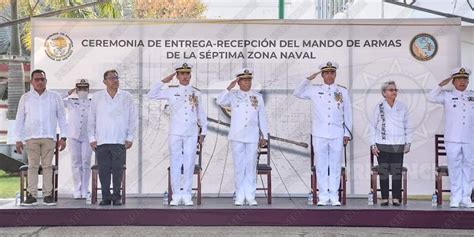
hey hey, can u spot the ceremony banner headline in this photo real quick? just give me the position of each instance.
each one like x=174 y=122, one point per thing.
x=232 y=45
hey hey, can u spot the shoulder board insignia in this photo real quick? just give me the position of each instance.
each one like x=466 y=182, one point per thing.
x=341 y=86
x=195 y=88
x=173 y=86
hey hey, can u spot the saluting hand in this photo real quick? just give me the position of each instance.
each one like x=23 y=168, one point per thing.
x=232 y=84
x=445 y=81
x=71 y=91
x=314 y=75
x=168 y=78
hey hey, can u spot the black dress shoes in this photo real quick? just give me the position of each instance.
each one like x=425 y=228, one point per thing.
x=105 y=203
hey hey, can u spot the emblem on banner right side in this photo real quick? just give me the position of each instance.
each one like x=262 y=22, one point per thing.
x=423 y=47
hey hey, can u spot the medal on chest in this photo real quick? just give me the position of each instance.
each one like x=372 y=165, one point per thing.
x=193 y=101
x=338 y=98
x=254 y=101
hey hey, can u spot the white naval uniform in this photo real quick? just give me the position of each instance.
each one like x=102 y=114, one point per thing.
x=458 y=130
x=78 y=143
x=183 y=133
x=247 y=121
x=393 y=128
x=328 y=118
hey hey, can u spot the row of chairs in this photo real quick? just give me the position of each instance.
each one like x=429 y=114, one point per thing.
x=263 y=168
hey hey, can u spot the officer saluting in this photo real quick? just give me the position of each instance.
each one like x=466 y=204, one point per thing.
x=81 y=152
x=331 y=117
x=248 y=128
x=458 y=130
x=186 y=114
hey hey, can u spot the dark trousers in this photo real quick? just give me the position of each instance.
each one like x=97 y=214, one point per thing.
x=390 y=163
x=111 y=160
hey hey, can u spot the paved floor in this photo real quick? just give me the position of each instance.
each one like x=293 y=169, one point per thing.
x=227 y=231
x=227 y=203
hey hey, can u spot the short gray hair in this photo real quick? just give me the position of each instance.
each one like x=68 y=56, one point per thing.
x=385 y=85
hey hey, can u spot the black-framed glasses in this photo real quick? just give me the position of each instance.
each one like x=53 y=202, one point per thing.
x=39 y=79
x=113 y=78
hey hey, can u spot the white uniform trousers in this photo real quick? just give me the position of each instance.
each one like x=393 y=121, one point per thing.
x=460 y=160
x=245 y=169
x=183 y=153
x=328 y=154
x=81 y=154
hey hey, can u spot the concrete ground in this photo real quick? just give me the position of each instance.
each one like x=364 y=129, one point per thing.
x=226 y=231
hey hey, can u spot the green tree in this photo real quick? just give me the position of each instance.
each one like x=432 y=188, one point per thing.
x=106 y=9
x=168 y=9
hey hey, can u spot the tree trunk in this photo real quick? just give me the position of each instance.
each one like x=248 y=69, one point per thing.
x=16 y=85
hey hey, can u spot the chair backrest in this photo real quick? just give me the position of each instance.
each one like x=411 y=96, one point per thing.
x=199 y=152
x=56 y=152
x=371 y=158
x=264 y=150
x=440 y=149
x=312 y=149
x=199 y=148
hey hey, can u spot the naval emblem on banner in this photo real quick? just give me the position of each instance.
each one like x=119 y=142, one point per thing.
x=58 y=46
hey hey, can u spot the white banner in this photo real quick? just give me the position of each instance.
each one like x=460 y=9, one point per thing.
x=415 y=53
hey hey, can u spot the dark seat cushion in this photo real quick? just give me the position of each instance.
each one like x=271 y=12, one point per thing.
x=95 y=167
x=376 y=168
x=264 y=167
x=442 y=169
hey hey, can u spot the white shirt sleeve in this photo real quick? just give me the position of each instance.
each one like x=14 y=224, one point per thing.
x=347 y=115
x=20 y=119
x=202 y=116
x=63 y=128
x=224 y=98
x=66 y=101
x=92 y=119
x=132 y=119
x=373 y=122
x=157 y=93
x=407 y=125
x=436 y=95
x=262 y=119
x=303 y=90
